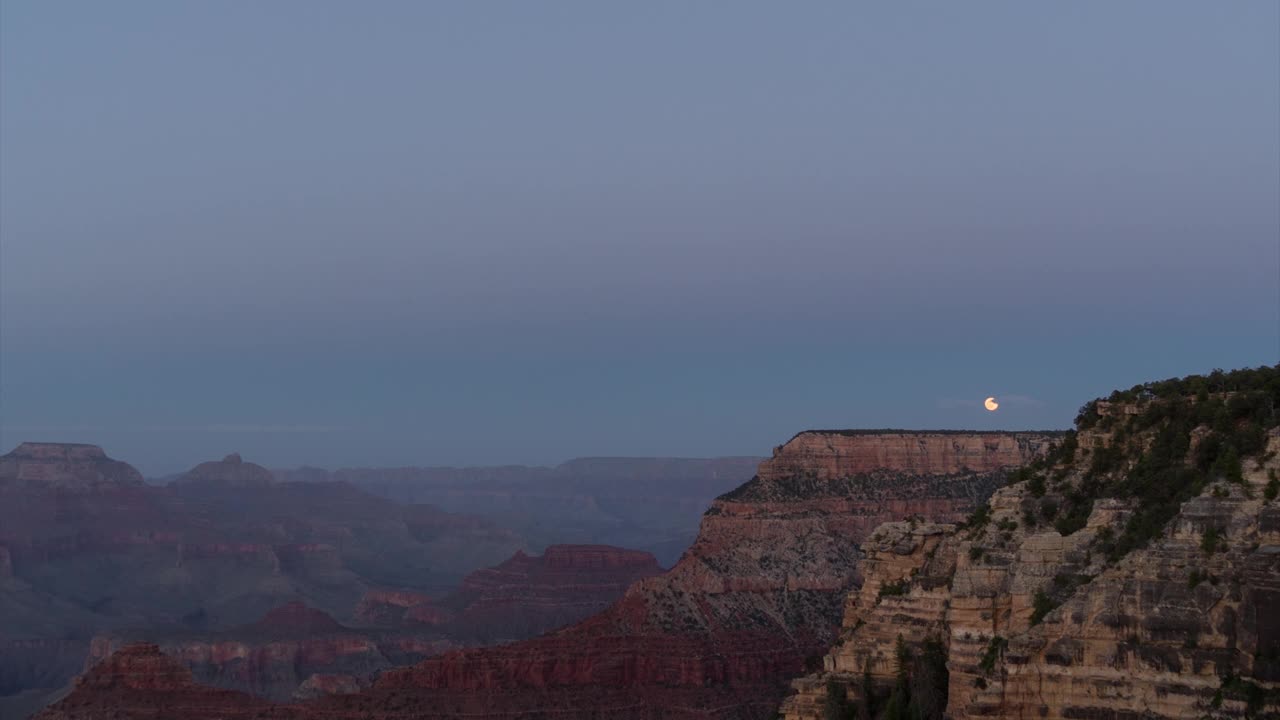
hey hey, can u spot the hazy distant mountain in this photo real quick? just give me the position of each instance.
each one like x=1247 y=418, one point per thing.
x=86 y=547
x=651 y=504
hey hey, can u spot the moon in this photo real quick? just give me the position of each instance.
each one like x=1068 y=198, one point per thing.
x=990 y=404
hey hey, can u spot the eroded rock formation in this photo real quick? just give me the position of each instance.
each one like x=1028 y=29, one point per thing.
x=141 y=681
x=230 y=472
x=66 y=466
x=1072 y=595
x=530 y=594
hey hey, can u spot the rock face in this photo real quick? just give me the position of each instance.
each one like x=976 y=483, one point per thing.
x=388 y=608
x=531 y=594
x=837 y=454
x=271 y=658
x=141 y=681
x=319 y=685
x=1108 y=611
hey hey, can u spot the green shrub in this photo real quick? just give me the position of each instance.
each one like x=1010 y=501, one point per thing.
x=1211 y=540
x=995 y=650
x=1150 y=460
x=1041 y=606
x=1076 y=518
x=1036 y=485
x=894 y=589
x=979 y=518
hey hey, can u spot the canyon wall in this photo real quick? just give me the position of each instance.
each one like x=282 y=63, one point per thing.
x=1110 y=611
x=530 y=594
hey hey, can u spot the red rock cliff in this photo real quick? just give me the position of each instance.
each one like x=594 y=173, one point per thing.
x=834 y=454
x=530 y=594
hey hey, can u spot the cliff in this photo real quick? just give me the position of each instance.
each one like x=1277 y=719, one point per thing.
x=530 y=594
x=140 y=681
x=830 y=455
x=1133 y=573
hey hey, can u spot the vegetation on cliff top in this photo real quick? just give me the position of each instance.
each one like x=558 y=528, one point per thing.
x=1167 y=442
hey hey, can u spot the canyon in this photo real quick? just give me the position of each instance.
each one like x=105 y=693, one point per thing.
x=753 y=602
x=91 y=556
x=651 y=504
x=1127 y=568
x=298 y=651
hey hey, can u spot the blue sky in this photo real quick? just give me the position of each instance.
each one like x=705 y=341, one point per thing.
x=460 y=233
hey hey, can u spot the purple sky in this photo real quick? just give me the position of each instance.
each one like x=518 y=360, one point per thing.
x=382 y=233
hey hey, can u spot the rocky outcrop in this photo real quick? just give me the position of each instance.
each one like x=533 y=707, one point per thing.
x=388 y=608
x=230 y=472
x=270 y=658
x=1134 y=574
x=531 y=594
x=904 y=593
x=66 y=466
x=827 y=455
x=141 y=681
x=1172 y=630
x=319 y=685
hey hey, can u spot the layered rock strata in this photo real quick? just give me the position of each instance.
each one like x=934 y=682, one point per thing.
x=531 y=594
x=1074 y=619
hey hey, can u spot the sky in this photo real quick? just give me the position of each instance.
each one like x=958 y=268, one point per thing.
x=459 y=233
